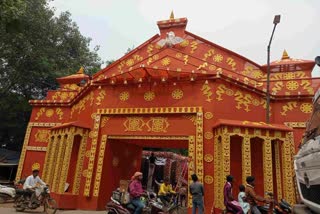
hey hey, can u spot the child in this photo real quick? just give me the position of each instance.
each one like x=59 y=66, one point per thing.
x=241 y=198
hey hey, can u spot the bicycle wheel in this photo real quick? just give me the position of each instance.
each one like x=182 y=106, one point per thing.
x=50 y=206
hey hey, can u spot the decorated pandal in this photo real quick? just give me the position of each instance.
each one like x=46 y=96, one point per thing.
x=176 y=90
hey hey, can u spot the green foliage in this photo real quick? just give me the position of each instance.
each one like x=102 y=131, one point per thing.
x=35 y=48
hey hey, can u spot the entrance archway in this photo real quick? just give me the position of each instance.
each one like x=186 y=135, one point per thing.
x=122 y=157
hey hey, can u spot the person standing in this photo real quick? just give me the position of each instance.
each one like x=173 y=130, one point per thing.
x=197 y=192
x=136 y=191
x=231 y=204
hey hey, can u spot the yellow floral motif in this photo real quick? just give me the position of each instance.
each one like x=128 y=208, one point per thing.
x=255 y=102
x=208 y=115
x=124 y=96
x=218 y=58
x=184 y=43
x=208 y=135
x=306 y=108
x=134 y=124
x=179 y=55
x=292 y=85
x=256 y=74
x=149 y=95
x=289 y=75
x=49 y=113
x=85 y=173
x=208 y=179
x=166 y=61
x=42 y=136
x=229 y=92
x=88 y=153
x=129 y=62
x=208 y=158
x=177 y=94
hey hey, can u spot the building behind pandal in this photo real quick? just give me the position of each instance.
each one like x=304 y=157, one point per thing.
x=176 y=90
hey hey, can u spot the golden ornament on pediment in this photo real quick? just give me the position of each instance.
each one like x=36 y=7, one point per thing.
x=208 y=115
x=208 y=158
x=255 y=102
x=157 y=124
x=212 y=67
x=149 y=95
x=208 y=135
x=49 y=112
x=177 y=94
x=292 y=85
x=218 y=58
x=208 y=179
x=178 y=55
x=115 y=161
x=129 y=62
x=184 y=43
x=229 y=92
x=124 y=96
x=155 y=57
x=133 y=124
x=166 y=61
x=306 y=108
x=42 y=136
x=85 y=173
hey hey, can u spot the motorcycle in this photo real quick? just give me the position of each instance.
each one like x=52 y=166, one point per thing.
x=115 y=205
x=275 y=207
x=23 y=197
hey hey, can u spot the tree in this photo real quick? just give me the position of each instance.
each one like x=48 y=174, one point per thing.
x=35 y=48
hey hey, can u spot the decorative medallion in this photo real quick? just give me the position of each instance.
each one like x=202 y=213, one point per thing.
x=88 y=152
x=229 y=92
x=85 y=173
x=35 y=166
x=149 y=96
x=133 y=124
x=208 y=135
x=306 y=108
x=49 y=112
x=256 y=74
x=184 y=43
x=115 y=161
x=177 y=94
x=124 y=96
x=208 y=158
x=208 y=115
x=292 y=85
x=158 y=124
x=165 y=61
x=179 y=55
x=42 y=136
x=255 y=102
x=208 y=179
x=129 y=62
x=218 y=58
x=212 y=67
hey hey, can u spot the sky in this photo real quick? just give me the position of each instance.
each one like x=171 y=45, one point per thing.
x=242 y=26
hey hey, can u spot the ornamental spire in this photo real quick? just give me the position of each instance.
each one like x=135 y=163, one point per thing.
x=285 y=55
x=171 y=15
x=81 y=70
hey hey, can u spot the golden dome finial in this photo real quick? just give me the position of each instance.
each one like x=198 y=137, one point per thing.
x=172 y=15
x=81 y=70
x=285 y=55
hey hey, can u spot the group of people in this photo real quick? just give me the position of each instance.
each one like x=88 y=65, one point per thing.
x=247 y=198
x=165 y=192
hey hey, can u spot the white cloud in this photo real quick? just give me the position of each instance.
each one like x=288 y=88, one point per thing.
x=242 y=26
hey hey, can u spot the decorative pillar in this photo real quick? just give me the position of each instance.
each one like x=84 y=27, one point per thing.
x=267 y=164
x=100 y=165
x=51 y=157
x=278 y=168
x=191 y=167
x=246 y=156
x=225 y=153
x=288 y=189
x=82 y=151
x=218 y=170
x=45 y=170
x=94 y=135
x=199 y=146
x=66 y=161
x=61 y=144
x=23 y=152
